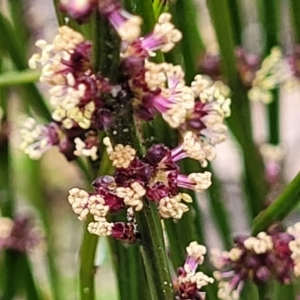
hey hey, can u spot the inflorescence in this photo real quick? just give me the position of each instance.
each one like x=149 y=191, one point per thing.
x=188 y=282
x=84 y=102
x=18 y=234
x=274 y=254
x=156 y=175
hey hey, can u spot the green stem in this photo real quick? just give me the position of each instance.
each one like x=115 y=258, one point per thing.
x=159 y=6
x=240 y=120
x=263 y=291
x=269 y=13
x=106 y=49
x=88 y=246
x=154 y=253
x=270 y=20
x=7 y=203
x=59 y=15
x=124 y=268
x=236 y=21
x=16 y=78
x=144 y=9
x=219 y=211
x=18 y=17
x=280 y=208
x=192 y=45
x=295 y=12
x=87 y=263
x=39 y=201
x=220 y=15
x=129 y=270
x=250 y=291
x=273 y=119
x=18 y=277
x=30 y=286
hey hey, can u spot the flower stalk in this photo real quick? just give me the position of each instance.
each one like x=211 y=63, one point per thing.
x=16 y=78
x=240 y=120
x=87 y=264
x=294 y=11
x=270 y=20
x=280 y=208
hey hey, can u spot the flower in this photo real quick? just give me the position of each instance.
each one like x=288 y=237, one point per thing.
x=132 y=195
x=189 y=282
x=161 y=88
x=121 y=156
x=171 y=207
x=274 y=70
x=268 y=255
x=37 y=139
x=87 y=146
x=127 y=26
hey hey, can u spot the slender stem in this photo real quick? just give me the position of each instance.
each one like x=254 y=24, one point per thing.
x=263 y=291
x=7 y=201
x=18 y=17
x=240 y=120
x=191 y=44
x=269 y=13
x=280 y=208
x=273 y=119
x=16 y=78
x=18 y=276
x=129 y=270
x=154 y=253
x=270 y=20
x=89 y=244
x=219 y=12
x=219 y=211
x=124 y=270
x=250 y=291
x=59 y=15
x=38 y=199
x=87 y=264
x=159 y=6
x=283 y=291
x=31 y=289
x=144 y=9
x=295 y=12
x=236 y=21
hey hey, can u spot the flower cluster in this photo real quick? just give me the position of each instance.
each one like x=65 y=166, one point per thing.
x=188 y=282
x=18 y=234
x=275 y=254
x=274 y=70
x=155 y=175
x=83 y=103
x=78 y=109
